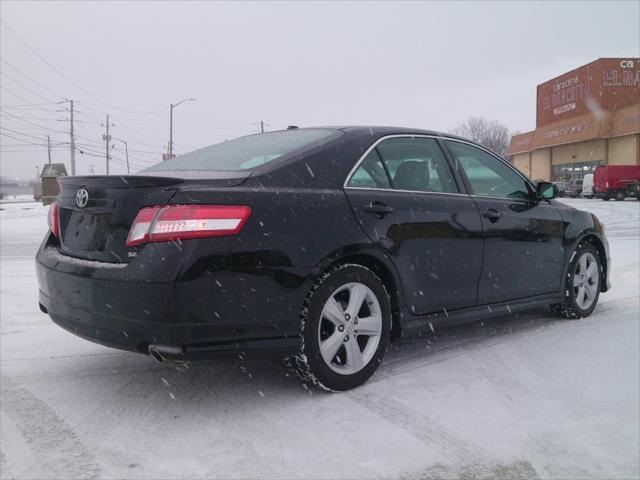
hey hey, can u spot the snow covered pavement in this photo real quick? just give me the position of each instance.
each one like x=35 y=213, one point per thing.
x=525 y=396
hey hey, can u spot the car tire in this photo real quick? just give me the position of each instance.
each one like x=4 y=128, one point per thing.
x=582 y=284
x=606 y=198
x=334 y=354
x=619 y=196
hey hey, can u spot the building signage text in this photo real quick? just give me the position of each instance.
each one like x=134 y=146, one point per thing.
x=561 y=132
x=618 y=78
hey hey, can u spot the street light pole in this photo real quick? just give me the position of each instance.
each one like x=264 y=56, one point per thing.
x=126 y=151
x=171 y=131
x=171 y=123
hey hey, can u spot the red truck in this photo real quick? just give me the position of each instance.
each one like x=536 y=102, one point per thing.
x=616 y=181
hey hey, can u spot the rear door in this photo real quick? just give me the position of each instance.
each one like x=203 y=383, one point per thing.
x=523 y=237
x=407 y=199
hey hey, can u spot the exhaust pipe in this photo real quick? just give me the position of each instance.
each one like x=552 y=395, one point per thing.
x=164 y=353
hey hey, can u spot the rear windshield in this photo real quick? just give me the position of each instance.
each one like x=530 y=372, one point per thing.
x=243 y=153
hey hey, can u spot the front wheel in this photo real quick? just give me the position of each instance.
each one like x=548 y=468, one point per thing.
x=583 y=281
x=346 y=324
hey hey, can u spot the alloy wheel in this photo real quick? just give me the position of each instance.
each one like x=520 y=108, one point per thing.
x=586 y=281
x=350 y=327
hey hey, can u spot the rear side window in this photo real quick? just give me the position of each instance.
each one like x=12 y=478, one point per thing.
x=370 y=173
x=488 y=176
x=417 y=164
x=244 y=153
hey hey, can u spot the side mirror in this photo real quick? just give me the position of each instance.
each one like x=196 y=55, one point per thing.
x=546 y=190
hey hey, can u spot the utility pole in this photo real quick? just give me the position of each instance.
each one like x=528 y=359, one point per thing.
x=262 y=125
x=171 y=107
x=49 y=148
x=73 y=142
x=107 y=139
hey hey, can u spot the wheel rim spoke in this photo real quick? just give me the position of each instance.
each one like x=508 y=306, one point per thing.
x=369 y=326
x=583 y=264
x=329 y=347
x=580 y=296
x=592 y=270
x=577 y=281
x=355 y=361
x=590 y=291
x=333 y=312
x=357 y=294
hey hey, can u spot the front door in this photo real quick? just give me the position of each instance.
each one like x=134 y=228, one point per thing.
x=406 y=198
x=523 y=248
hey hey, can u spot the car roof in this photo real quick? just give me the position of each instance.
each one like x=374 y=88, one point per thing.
x=381 y=131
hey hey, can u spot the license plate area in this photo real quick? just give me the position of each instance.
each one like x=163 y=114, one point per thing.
x=84 y=230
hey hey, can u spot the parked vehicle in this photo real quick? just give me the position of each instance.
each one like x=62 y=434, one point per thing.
x=633 y=190
x=587 y=185
x=322 y=243
x=612 y=181
x=561 y=186
x=574 y=188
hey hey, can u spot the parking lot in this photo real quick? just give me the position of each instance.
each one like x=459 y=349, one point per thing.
x=525 y=396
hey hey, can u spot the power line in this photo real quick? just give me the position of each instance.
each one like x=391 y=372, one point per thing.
x=21 y=85
x=29 y=106
x=26 y=150
x=31 y=79
x=24 y=99
x=31 y=123
x=19 y=133
x=63 y=75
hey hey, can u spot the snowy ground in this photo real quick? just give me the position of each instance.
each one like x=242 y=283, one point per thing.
x=519 y=397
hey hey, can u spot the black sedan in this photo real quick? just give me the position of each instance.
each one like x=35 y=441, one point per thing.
x=324 y=243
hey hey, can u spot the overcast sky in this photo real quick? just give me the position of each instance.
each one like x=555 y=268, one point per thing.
x=418 y=64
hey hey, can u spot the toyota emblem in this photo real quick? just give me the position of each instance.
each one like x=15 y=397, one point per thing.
x=82 y=197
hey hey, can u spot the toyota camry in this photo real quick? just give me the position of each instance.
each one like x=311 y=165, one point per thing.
x=324 y=244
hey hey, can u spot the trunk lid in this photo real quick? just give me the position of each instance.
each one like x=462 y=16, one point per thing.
x=98 y=229
x=96 y=212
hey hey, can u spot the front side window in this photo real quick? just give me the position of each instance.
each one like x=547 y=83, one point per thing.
x=488 y=176
x=244 y=153
x=417 y=164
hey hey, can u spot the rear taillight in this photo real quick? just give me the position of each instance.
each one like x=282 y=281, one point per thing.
x=53 y=219
x=181 y=222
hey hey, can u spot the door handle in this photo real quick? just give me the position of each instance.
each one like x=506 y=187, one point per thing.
x=492 y=215
x=379 y=209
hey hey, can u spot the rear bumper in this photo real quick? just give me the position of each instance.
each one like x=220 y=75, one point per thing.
x=195 y=312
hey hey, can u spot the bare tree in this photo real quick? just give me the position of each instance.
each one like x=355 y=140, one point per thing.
x=489 y=133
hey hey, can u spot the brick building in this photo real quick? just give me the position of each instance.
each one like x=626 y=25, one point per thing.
x=586 y=117
x=50 y=188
